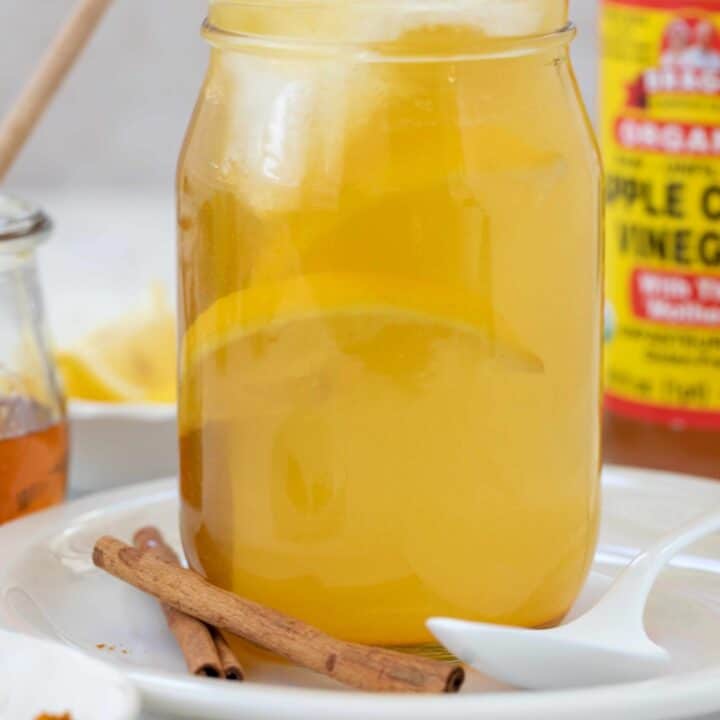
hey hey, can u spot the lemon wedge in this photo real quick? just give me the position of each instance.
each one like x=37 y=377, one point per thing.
x=270 y=309
x=131 y=360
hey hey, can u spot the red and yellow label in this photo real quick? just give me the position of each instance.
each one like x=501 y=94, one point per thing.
x=661 y=142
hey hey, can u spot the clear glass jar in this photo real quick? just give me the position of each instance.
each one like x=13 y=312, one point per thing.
x=33 y=430
x=390 y=261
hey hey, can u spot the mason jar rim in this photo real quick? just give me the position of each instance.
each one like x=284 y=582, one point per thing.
x=22 y=223
x=383 y=30
x=384 y=50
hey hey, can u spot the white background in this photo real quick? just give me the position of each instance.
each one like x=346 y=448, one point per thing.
x=121 y=116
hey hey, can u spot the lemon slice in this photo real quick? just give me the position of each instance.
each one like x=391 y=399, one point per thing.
x=351 y=294
x=131 y=360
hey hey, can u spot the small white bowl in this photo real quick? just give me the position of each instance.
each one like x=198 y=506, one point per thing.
x=44 y=677
x=113 y=444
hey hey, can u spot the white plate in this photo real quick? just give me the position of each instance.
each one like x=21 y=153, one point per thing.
x=37 y=676
x=49 y=588
x=115 y=444
x=143 y=412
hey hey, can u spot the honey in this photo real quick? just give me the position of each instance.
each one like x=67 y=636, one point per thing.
x=33 y=458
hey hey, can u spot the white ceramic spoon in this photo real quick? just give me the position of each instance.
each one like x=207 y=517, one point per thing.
x=608 y=644
x=37 y=676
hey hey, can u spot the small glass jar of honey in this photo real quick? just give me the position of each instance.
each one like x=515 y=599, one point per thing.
x=33 y=428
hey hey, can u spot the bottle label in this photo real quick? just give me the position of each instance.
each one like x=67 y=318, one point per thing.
x=661 y=142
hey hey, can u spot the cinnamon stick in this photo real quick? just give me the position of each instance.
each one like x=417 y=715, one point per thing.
x=206 y=653
x=230 y=665
x=359 y=666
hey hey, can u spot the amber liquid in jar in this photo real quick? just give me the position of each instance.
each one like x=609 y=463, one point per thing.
x=662 y=359
x=375 y=256
x=33 y=458
x=661 y=447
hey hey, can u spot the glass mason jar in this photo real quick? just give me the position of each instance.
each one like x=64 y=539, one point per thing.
x=33 y=431
x=391 y=280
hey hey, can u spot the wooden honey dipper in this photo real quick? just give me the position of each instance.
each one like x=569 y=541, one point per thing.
x=54 y=66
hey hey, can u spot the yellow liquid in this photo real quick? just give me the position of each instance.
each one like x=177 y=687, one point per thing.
x=391 y=294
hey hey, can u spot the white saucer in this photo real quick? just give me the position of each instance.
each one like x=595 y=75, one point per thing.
x=48 y=587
